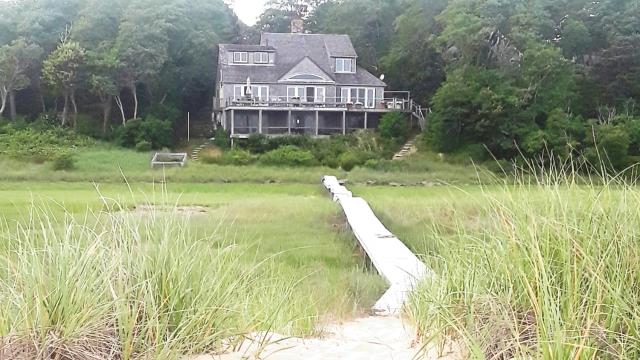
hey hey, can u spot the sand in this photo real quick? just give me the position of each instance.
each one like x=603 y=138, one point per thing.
x=368 y=338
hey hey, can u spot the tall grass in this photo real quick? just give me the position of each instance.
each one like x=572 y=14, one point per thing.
x=543 y=268
x=115 y=285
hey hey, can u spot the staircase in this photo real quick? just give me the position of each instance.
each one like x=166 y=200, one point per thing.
x=406 y=149
x=196 y=151
x=419 y=113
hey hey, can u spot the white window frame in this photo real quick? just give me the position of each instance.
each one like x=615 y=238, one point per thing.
x=260 y=92
x=368 y=101
x=261 y=57
x=240 y=57
x=299 y=91
x=341 y=65
x=319 y=99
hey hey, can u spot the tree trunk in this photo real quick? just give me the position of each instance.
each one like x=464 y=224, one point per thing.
x=36 y=87
x=3 y=99
x=119 y=103
x=65 y=109
x=72 y=96
x=12 y=105
x=135 y=100
x=106 y=112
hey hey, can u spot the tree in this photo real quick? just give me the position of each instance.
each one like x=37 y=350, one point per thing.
x=102 y=81
x=15 y=60
x=61 y=71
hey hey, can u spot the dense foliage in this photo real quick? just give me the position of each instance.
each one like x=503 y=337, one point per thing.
x=509 y=78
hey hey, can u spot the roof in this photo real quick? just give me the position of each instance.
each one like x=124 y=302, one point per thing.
x=243 y=47
x=291 y=49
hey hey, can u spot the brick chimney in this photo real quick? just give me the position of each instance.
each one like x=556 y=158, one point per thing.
x=297 y=26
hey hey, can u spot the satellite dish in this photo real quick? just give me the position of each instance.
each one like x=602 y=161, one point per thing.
x=382 y=77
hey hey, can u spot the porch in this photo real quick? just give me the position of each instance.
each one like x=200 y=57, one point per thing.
x=242 y=122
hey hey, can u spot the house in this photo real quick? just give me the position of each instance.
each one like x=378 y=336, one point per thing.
x=294 y=83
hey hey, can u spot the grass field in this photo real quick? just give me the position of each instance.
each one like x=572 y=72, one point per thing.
x=154 y=264
x=106 y=164
x=260 y=256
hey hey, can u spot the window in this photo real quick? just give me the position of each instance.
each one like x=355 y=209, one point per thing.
x=260 y=92
x=309 y=77
x=240 y=57
x=306 y=93
x=345 y=65
x=261 y=57
x=297 y=92
x=359 y=95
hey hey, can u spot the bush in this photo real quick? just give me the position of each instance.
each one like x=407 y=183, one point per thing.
x=63 y=161
x=237 y=157
x=257 y=144
x=155 y=131
x=221 y=138
x=288 y=155
x=143 y=146
x=38 y=146
x=394 y=126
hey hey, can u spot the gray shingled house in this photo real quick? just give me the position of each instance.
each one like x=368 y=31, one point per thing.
x=295 y=83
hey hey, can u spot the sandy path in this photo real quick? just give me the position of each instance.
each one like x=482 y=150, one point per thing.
x=368 y=338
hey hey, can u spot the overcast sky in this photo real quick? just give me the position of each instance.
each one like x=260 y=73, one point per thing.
x=248 y=10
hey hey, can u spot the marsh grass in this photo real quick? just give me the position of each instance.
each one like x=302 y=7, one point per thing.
x=112 y=285
x=545 y=267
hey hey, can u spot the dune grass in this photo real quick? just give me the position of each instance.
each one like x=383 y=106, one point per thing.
x=545 y=268
x=85 y=275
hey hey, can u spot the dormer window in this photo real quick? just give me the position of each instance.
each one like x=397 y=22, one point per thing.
x=261 y=57
x=345 y=65
x=240 y=57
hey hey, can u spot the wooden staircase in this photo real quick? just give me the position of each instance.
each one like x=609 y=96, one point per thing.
x=406 y=149
x=196 y=151
x=419 y=113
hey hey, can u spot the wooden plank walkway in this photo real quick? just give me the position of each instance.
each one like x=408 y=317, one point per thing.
x=392 y=259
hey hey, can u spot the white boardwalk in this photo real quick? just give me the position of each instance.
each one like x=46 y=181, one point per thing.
x=393 y=260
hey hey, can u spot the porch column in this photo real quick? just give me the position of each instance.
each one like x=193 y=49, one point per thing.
x=260 y=121
x=344 y=122
x=317 y=122
x=232 y=121
x=289 y=122
x=365 y=120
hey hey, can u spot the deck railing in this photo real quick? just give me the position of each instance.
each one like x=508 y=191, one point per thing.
x=387 y=103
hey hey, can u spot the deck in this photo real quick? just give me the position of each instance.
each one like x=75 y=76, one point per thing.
x=392 y=259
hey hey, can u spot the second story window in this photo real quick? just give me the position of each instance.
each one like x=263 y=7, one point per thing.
x=345 y=65
x=240 y=57
x=261 y=58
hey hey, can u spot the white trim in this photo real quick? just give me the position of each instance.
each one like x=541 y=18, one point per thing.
x=261 y=90
x=341 y=69
x=369 y=99
x=241 y=54
x=258 y=57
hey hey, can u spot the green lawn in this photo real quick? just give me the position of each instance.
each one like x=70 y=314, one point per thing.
x=106 y=164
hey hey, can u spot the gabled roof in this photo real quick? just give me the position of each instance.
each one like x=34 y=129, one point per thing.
x=306 y=66
x=291 y=49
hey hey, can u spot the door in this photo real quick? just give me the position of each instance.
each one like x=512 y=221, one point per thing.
x=311 y=94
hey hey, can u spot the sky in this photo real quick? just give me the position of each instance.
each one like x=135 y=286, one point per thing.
x=248 y=10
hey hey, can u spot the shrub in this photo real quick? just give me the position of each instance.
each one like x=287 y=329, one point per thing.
x=155 y=131
x=221 y=138
x=288 y=155
x=257 y=144
x=143 y=146
x=394 y=126
x=38 y=146
x=609 y=145
x=210 y=155
x=63 y=161
x=237 y=157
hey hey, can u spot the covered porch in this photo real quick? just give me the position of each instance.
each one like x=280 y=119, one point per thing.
x=242 y=122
